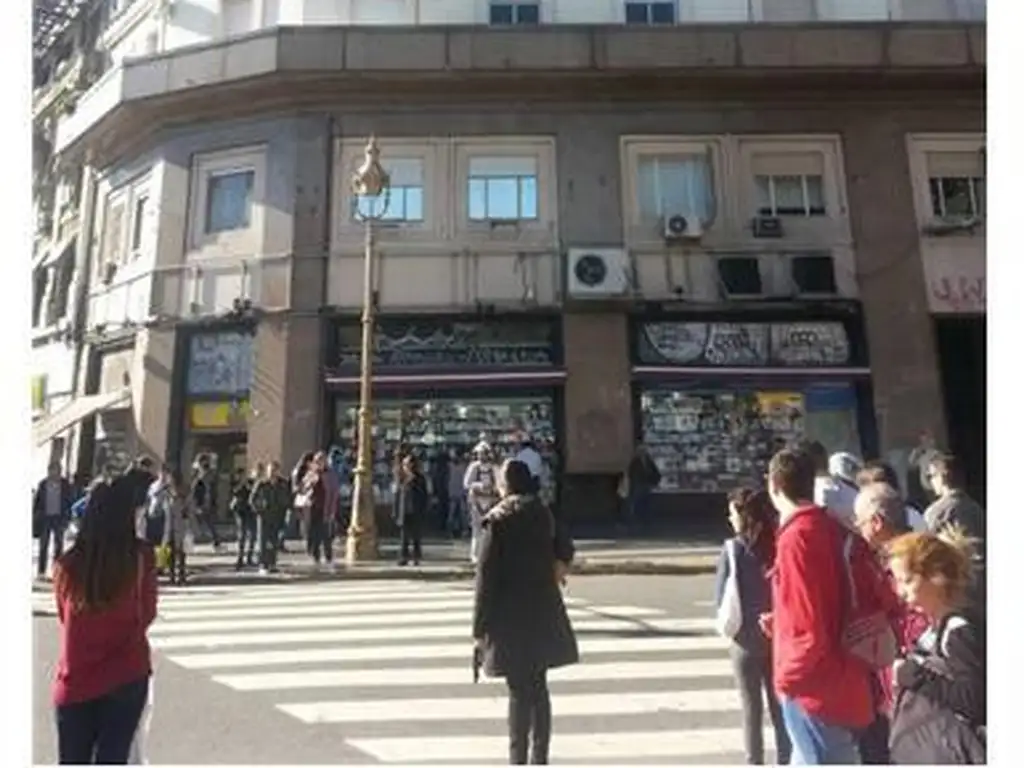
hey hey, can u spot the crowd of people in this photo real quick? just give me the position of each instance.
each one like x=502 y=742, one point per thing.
x=862 y=619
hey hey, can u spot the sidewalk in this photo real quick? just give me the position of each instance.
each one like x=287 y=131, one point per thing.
x=446 y=560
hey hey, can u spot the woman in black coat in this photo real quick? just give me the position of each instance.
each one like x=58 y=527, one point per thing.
x=412 y=501
x=520 y=624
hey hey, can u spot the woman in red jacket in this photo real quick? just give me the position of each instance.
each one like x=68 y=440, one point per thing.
x=105 y=587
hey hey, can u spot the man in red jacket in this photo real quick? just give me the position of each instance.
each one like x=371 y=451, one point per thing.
x=825 y=692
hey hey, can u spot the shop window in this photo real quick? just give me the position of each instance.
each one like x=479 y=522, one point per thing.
x=450 y=426
x=515 y=13
x=651 y=13
x=502 y=188
x=675 y=184
x=229 y=201
x=405 y=198
x=712 y=441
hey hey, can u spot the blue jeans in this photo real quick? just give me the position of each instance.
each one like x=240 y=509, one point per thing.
x=814 y=742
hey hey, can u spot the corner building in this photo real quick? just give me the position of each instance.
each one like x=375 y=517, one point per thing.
x=713 y=235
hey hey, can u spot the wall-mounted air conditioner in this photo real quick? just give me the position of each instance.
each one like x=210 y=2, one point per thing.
x=598 y=273
x=682 y=227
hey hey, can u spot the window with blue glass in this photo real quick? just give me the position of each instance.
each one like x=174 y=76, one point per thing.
x=651 y=13
x=502 y=188
x=405 y=198
x=229 y=201
x=515 y=13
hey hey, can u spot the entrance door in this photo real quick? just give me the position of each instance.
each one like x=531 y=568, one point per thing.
x=962 y=356
x=228 y=453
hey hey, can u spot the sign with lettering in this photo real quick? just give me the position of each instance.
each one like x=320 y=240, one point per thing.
x=220 y=363
x=469 y=344
x=961 y=294
x=797 y=344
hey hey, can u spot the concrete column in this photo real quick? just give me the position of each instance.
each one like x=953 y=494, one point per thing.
x=152 y=384
x=900 y=334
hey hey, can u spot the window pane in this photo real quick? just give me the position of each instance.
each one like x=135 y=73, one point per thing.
x=501 y=13
x=957 y=196
x=528 y=13
x=764 y=195
x=477 y=199
x=229 y=201
x=503 y=198
x=414 y=203
x=935 y=192
x=815 y=195
x=979 y=196
x=636 y=13
x=373 y=207
x=137 y=225
x=663 y=13
x=527 y=197
x=789 y=196
x=675 y=185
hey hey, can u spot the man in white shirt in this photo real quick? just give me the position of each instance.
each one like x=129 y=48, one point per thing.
x=532 y=459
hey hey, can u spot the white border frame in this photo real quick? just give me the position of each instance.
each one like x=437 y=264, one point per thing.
x=237 y=242
x=918 y=147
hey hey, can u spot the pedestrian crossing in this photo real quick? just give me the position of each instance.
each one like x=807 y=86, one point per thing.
x=387 y=666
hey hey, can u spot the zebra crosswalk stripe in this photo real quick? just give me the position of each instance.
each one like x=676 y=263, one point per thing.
x=373 y=660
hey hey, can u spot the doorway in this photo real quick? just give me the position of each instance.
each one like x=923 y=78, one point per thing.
x=228 y=454
x=961 y=346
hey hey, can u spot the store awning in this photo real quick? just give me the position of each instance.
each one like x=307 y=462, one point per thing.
x=47 y=428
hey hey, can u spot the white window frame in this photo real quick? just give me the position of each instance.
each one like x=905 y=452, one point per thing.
x=348 y=231
x=647 y=231
x=828 y=230
x=540 y=231
x=515 y=23
x=919 y=146
x=206 y=166
x=128 y=195
x=805 y=195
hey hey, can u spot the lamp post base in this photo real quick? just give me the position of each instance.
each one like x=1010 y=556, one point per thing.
x=361 y=542
x=361 y=546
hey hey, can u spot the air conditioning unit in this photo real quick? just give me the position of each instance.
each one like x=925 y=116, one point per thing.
x=683 y=227
x=598 y=272
x=767 y=227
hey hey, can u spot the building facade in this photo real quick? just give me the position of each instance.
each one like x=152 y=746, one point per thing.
x=710 y=234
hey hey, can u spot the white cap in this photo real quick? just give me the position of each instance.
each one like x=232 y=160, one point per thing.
x=845 y=466
x=482 y=447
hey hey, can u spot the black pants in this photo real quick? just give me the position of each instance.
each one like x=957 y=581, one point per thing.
x=318 y=538
x=529 y=718
x=873 y=742
x=100 y=731
x=267 y=531
x=205 y=520
x=753 y=673
x=50 y=526
x=177 y=564
x=245 y=525
x=412 y=535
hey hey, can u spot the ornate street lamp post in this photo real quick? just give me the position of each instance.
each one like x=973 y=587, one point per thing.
x=370 y=181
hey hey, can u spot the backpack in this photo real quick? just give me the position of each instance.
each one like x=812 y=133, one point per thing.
x=868 y=633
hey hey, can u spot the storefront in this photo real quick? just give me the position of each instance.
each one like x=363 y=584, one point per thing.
x=715 y=398
x=216 y=404
x=441 y=385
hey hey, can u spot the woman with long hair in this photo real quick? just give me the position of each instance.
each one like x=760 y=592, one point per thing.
x=940 y=714
x=745 y=560
x=412 y=501
x=105 y=590
x=179 y=518
x=520 y=626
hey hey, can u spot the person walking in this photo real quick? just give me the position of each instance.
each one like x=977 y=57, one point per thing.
x=457 y=520
x=824 y=691
x=481 y=485
x=642 y=476
x=271 y=500
x=941 y=715
x=745 y=561
x=106 y=595
x=299 y=513
x=179 y=515
x=140 y=475
x=203 y=489
x=412 y=505
x=520 y=625
x=156 y=505
x=51 y=511
x=877 y=471
x=314 y=489
x=245 y=516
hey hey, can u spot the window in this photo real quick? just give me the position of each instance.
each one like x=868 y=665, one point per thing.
x=502 y=188
x=138 y=224
x=668 y=185
x=515 y=13
x=406 y=196
x=40 y=279
x=113 y=229
x=62 y=274
x=229 y=201
x=790 y=195
x=956 y=184
x=650 y=13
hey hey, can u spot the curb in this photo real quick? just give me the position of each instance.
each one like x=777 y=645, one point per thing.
x=452 y=573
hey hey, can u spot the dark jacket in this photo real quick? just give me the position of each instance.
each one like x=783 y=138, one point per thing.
x=940 y=712
x=202 y=492
x=518 y=609
x=240 y=493
x=755 y=595
x=67 y=498
x=139 y=481
x=271 y=499
x=412 y=499
x=959 y=509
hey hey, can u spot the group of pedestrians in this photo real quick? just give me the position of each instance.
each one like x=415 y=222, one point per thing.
x=861 y=619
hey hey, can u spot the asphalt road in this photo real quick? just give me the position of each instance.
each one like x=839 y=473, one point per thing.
x=226 y=710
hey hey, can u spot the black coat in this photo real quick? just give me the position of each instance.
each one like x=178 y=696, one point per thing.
x=412 y=499
x=518 y=610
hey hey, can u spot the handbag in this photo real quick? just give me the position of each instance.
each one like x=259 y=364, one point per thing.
x=730 y=612
x=163 y=557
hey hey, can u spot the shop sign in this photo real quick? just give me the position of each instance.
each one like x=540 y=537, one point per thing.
x=469 y=344
x=230 y=415
x=798 y=344
x=220 y=363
